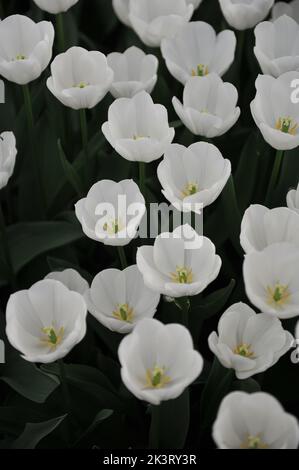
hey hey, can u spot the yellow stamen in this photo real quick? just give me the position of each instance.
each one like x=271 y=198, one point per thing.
x=124 y=313
x=278 y=295
x=156 y=377
x=53 y=336
x=190 y=189
x=81 y=85
x=138 y=137
x=113 y=227
x=244 y=350
x=182 y=275
x=200 y=71
x=286 y=125
x=20 y=57
x=253 y=442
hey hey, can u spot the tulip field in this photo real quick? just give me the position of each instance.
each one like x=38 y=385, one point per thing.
x=149 y=225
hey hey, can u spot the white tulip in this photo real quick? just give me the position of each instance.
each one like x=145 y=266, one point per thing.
x=71 y=279
x=262 y=227
x=247 y=342
x=45 y=322
x=193 y=176
x=80 y=78
x=8 y=152
x=209 y=106
x=137 y=128
x=245 y=14
x=271 y=279
x=180 y=263
x=254 y=421
x=293 y=199
x=282 y=8
x=121 y=9
x=274 y=113
x=26 y=48
x=158 y=20
x=197 y=50
x=275 y=60
x=134 y=71
x=111 y=212
x=195 y=3
x=158 y=362
x=55 y=6
x=120 y=300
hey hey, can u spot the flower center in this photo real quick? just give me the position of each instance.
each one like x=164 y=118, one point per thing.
x=124 y=313
x=81 y=85
x=52 y=337
x=190 y=188
x=244 y=350
x=278 y=295
x=113 y=227
x=253 y=442
x=20 y=57
x=200 y=71
x=286 y=125
x=138 y=137
x=182 y=275
x=156 y=377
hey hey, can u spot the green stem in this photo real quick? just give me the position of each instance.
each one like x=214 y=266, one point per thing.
x=122 y=257
x=84 y=136
x=6 y=249
x=142 y=172
x=66 y=396
x=275 y=174
x=35 y=159
x=154 y=428
x=183 y=303
x=60 y=32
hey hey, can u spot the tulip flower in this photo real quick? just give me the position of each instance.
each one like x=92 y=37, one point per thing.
x=262 y=227
x=121 y=9
x=271 y=279
x=111 y=212
x=247 y=342
x=8 y=154
x=193 y=175
x=179 y=264
x=71 y=279
x=195 y=3
x=45 y=322
x=55 y=6
x=282 y=8
x=196 y=50
x=274 y=112
x=293 y=199
x=275 y=60
x=22 y=61
x=162 y=20
x=134 y=71
x=79 y=78
x=120 y=300
x=245 y=14
x=254 y=421
x=137 y=128
x=158 y=362
x=209 y=106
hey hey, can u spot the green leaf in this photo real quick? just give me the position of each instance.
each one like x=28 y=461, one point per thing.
x=99 y=418
x=247 y=385
x=214 y=302
x=35 y=432
x=69 y=171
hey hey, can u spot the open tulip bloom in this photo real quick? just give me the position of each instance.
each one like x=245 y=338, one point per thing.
x=46 y=321
x=111 y=212
x=71 y=279
x=247 y=342
x=197 y=51
x=181 y=263
x=293 y=199
x=137 y=128
x=134 y=71
x=120 y=300
x=193 y=177
x=79 y=78
x=158 y=19
x=245 y=14
x=282 y=8
x=262 y=227
x=55 y=6
x=276 y=46
x=121 y=8
x=158 y=361
x=254 y=421
x=275 y=114
x=271 y=279
x=8 y=154
x=209 y=106
x=23 y=60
